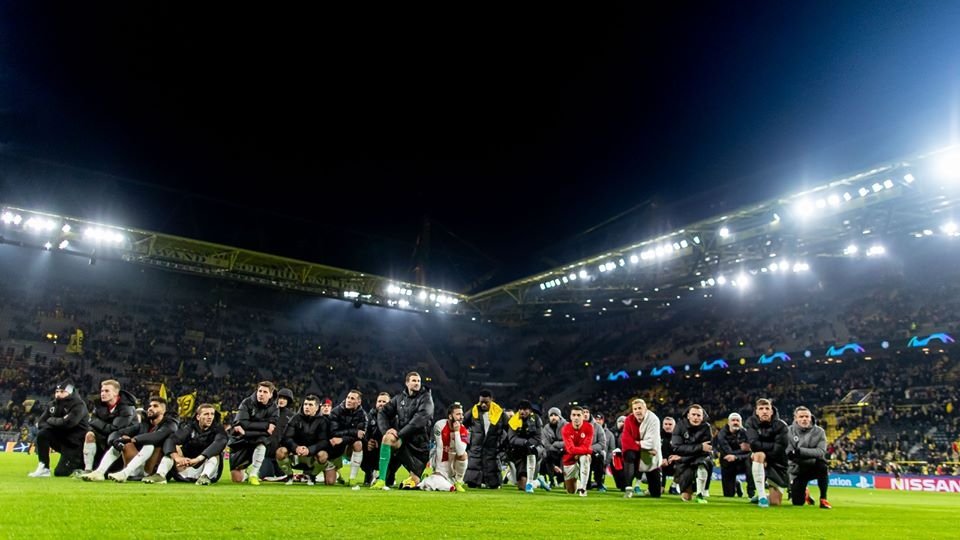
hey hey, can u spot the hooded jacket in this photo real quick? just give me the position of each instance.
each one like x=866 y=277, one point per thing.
x=310 y=431
x=552 y=438
x=768 y=437
x=524 y=435
x=805 y=446
x=483 y=465
x=194 y=442
x=68 y=414
x=345 y=423
x=728 y=443
x=411 y=416
x=255 y=418
x=105 y=421
x=687 y=441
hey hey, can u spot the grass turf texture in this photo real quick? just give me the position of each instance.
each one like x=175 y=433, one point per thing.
x=69 y=508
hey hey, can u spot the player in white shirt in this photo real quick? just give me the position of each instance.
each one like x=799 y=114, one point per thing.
x=449 y=464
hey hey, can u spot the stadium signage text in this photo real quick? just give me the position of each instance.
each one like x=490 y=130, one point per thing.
x=942 y=484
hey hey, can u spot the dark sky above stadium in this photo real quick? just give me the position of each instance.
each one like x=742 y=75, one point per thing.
x=331 y=134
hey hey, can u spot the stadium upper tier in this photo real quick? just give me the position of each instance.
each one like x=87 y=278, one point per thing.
x=867 y=214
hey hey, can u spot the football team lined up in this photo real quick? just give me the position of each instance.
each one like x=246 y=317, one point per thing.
x=482 y=446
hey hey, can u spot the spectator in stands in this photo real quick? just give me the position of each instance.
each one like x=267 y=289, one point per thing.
x=62 y=427
x=405 y=422
x=195 y=452
x=487 y=425
x=691 y=442
x=115 y=410
x=734 y=452
x=767 y=435
x=140 y=445
x=256 y=420
x=807 y=455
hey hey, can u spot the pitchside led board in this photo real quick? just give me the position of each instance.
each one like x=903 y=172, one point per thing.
x=834 y=351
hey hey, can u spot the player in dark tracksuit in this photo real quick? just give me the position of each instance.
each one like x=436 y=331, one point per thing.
x=734 y=450
x=767 y=435
x=691 y=441
x=405 y=422
x=348 y=421
x=371 y=442
x=116 y=409
x=140 y=445
x=195 y=452
x=523 y=445
x=62 y=426
x=256 y=420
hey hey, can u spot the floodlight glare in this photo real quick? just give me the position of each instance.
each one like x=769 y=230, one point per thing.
x=696 y=240
x=774 y=267
x=572 y=276
x=721 y=280
x=602 y=267
x=833 y=200
x=863 y=191
x=908 y=178
x=876 y=251
x=711 y=282
x=927 y=232
x=821 y=204
x=888 y=183
x=949 y=227
x=66 y=228
x=64 y=245
x=403 y=303
x=850 y=250
x=724 y=232
x=47 y=246
x=948 y=166
x=743 y=280
x=877 y=187
x=634 y=259
x=684 y=244
x=847 y=196
x=583 y=274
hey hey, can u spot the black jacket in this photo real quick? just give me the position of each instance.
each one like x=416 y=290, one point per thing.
x=345 y=423
x=666 y=449
x=255 y=418
x=372 y=429
x=68 y=414
x=194 y=442
x=310 y=431
x=483 y=465
x=104 y=421
x=768 y=437
x=411 y=416
x=284 y=414
x=728 y=442
x=527 y=436
x=145 y=433
x=687 y=442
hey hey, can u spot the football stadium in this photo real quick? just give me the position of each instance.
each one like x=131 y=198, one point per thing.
x=770 y=354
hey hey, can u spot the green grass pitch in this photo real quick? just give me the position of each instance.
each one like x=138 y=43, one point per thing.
x=66 y=508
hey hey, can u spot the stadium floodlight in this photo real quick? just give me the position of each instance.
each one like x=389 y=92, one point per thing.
x=888 y=183
x=565 y=280
x=929 y=232
x=583 y=274
x=743 y=280
x=908 y=178
x=863 y=192
x=659 y=251
x=850 y=250
x=543 y=286
x=948 y=166
x=773 y=267
x=821 y=204
x=784 y=265
x=39 y=224
x=803 y=208
x=621 y=262
x=676 y=246
x=801 y=267
x=433 y=297
x=66 y=228
x=422 y=296
x=403 y=303
x=847 y=196
x=949 y=227
x=877 y=187
x=696 y=240
x=711 y=282
x=724 y=232
x=776 y=219
x=64 y=245
x=833 y=200
x=721 y=280
x=634 y=259
x=572 y=276
x=602 y=268
x=876 y=251
x=47 y=245
x=684 y=244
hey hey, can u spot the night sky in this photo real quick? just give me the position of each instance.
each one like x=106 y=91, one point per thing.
x=331 y=135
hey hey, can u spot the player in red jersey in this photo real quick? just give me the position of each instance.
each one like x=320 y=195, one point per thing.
x=577 y=450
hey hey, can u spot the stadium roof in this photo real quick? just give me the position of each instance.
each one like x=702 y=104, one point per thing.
x=858 y=215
